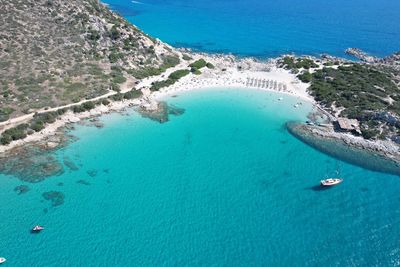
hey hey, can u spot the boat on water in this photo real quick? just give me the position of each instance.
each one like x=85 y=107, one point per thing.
x=2 y=260
x=331 y=181
x=37 y=229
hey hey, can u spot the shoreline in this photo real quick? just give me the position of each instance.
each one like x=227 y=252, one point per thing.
x=225 y=74
x=229 y=72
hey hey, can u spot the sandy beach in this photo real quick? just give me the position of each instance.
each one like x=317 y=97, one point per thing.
x=239 y=73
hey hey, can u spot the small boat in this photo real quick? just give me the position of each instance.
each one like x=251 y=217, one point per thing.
x=37 y=229
x=2 y=260
x=331 y=181
x=280 y=98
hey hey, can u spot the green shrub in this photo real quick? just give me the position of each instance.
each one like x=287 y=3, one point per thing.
x=210 y=65
x=15 y=133
x=118 y=79
x=369 y=133
x=198 y=64
x=84 y=107
x=288 y=62
x=305 y=77
x=117 y=97
x=146 y=72
x=133 y=94
x=170 y=61
x=48 y=117
x=176 y=75
x=114 y=33
x=114 y=57
x=105 y=102
x=115 y=87
x=88 y=105
x=37 y=126
x=186 y=57
x=160 y=84
x=94 y=35
x=5 y=113
x=78 y=109
x=291 y=63
x=61 y=111
x=5 y=139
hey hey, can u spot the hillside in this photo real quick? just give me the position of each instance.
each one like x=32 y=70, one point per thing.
x=55 y=52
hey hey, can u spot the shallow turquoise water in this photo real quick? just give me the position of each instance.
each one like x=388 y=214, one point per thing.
x=268 y=28
x=224 y=184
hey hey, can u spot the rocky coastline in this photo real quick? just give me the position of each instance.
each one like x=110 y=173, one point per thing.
x=378 y=155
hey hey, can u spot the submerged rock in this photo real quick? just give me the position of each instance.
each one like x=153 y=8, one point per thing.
x=21 y=189
x=161 y=113
x=56 y=197
x=92 y=173
x=30 y=164
x=84 y=182
x=94 y=121
x=70 y=164
x=34 y=162
x=176 y=111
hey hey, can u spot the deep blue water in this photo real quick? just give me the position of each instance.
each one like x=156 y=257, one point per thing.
x=267 y=28
x=224 y=184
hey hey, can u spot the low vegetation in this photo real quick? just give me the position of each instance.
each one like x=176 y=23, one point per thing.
x=5 y=113
x=168 y=62
x=357 y=88
x=364 y=92
x=295 y=64
x=198 y=64
x=186 y=57
x=172 y=78
x=299 y=63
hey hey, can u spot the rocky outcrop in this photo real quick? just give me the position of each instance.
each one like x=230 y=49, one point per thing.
x=361 y=55
x=383 y=156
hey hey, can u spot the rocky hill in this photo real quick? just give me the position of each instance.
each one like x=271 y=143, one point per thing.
x=55 y=52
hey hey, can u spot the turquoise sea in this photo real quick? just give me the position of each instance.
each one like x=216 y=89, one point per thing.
x=266 y=28
x=223 y=184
